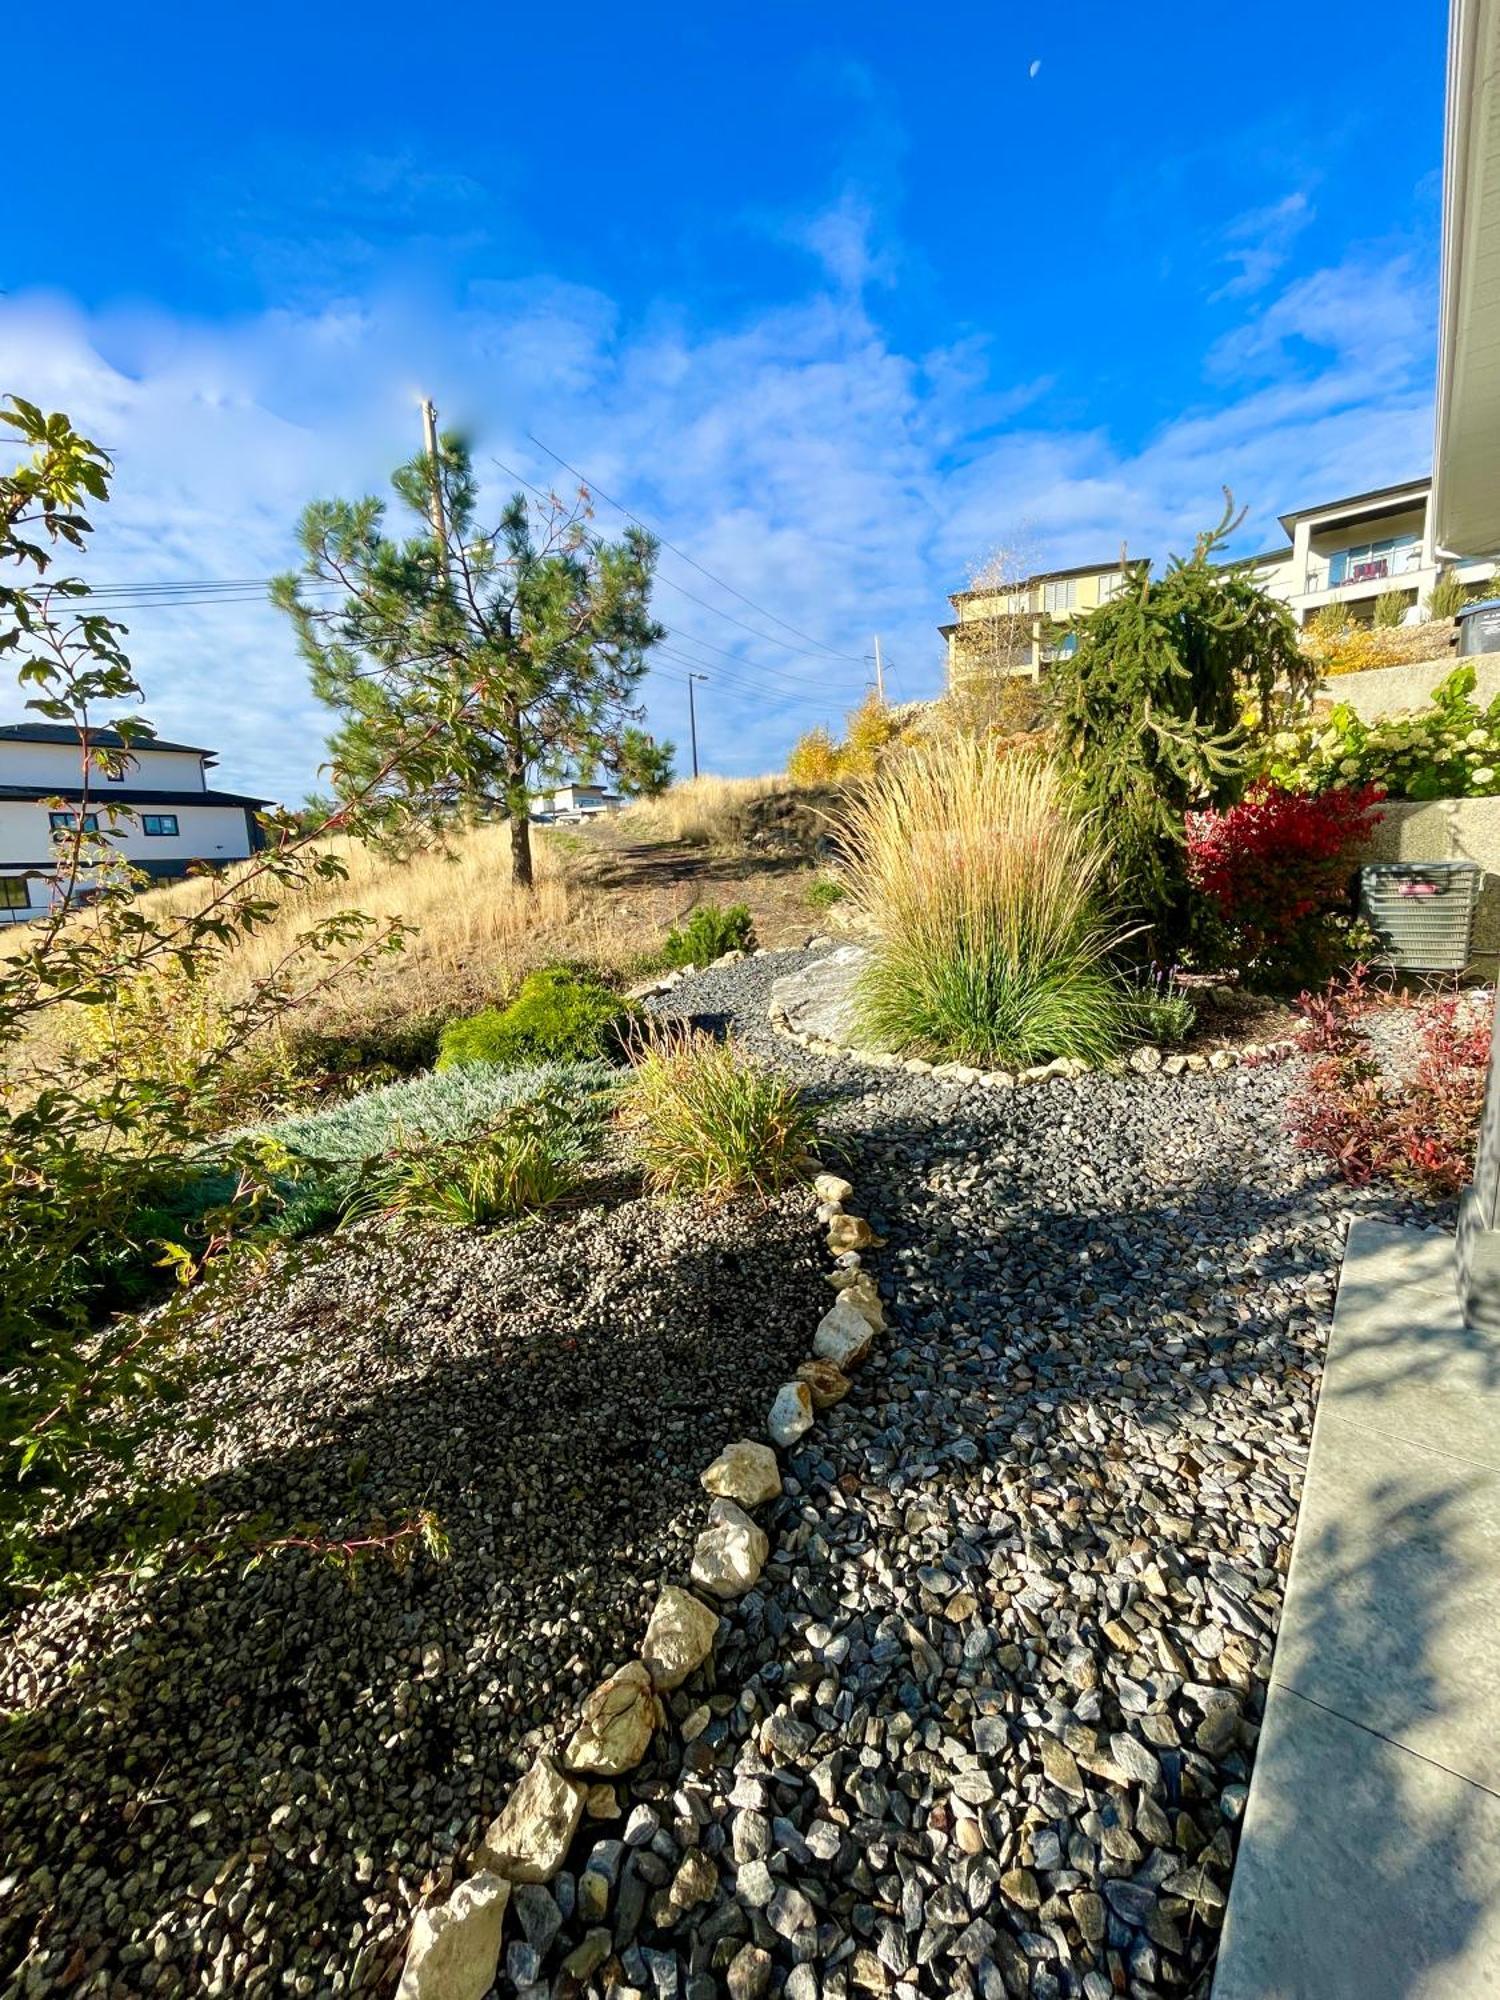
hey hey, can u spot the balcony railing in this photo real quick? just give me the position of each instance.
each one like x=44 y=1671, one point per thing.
x=1364 y=571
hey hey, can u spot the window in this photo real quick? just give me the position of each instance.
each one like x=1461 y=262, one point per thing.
x=1060 y=595
x=64 y=822
x=159 y=823
x=14 y=893
x=1373 y=562
x=1111 y=586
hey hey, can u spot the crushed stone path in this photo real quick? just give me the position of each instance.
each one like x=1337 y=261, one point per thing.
x=986 y=1723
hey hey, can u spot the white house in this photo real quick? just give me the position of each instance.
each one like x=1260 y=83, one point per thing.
x=1349 y=552
x=159 y=812
x=582 y=800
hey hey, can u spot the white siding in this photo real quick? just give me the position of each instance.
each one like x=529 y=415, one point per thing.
x=205 y=833
x=60 y=764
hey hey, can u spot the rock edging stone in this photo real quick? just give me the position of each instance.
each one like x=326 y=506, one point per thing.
x=454 y=1949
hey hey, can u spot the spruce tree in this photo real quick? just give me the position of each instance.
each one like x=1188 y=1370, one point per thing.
x=1159 y=707
x=505 y=654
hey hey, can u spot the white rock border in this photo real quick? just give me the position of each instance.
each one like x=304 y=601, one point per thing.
x=1145 y=1061
x=454 y=1948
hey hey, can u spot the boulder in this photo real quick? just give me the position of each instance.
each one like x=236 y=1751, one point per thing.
x=833 y=1188
x=818 y=999
x=791 y=1414
x=851 y=1232
x=679 y=1638
x=864 y=1295
x=530 y=1839
x=730 y=1553
x=744 y=1472
x=829 y=1385
x=618 y=1721
x=454 y=1951
x=844 y=1335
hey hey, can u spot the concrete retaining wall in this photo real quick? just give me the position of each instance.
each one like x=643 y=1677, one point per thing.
x=1392 y=690
x=1448 y=830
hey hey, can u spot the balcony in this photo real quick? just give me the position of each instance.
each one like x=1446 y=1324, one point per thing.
x=1375 y=571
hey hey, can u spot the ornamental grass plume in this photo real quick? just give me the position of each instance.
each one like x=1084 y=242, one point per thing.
x=982 y=888
x=702 y=1119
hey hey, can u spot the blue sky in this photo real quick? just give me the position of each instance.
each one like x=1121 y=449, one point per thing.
x=839 y=298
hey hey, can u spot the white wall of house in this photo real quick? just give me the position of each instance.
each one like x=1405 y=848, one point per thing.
x=60 y=764
x=204 y=833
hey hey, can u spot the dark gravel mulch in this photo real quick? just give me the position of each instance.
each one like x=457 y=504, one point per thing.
x=229 y=1782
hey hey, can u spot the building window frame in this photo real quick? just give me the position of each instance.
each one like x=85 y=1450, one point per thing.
x=9 y=899
x=67 y=822
x=160 y=826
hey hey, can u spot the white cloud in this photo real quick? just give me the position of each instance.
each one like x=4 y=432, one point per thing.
x=1258 y=243
x=840 y=482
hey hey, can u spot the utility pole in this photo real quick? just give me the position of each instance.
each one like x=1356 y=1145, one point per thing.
x=693 y=718
x=879 y=673
x=430 y=444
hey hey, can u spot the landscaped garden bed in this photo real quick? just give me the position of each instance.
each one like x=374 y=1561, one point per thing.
x=987 y=1723
x=248 y=1781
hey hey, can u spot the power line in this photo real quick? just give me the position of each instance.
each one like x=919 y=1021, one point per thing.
x=755 y=689
x=691 y=561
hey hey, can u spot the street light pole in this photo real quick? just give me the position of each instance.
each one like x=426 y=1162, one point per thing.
x=693 y=718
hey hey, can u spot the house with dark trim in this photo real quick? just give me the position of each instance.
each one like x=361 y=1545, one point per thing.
x=153 y=804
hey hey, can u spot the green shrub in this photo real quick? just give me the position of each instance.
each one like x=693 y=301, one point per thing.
x=1390 y=607
x=1449 y=750
x=558 y=1015
x=1160 y=1014
x=703 y=1120
x=522 y=1164
x=708 y=933
x=1447 y=597
x=980 y=886
x=401 y=1045
x=825 y=892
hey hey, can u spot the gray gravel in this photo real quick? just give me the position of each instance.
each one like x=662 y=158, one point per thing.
x=231 y=1784
x=986 y=1724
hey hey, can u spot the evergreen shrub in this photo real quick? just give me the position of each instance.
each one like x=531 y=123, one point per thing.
x=558 y=1015
x=708 y=933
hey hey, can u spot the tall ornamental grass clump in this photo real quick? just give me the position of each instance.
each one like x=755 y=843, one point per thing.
x=982 y=887
x=703 y=1120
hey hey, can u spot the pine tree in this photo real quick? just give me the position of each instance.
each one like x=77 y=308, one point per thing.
x=642 y=766
x=1158 y=709
x=506 y=654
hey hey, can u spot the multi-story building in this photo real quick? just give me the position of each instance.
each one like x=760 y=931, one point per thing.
x=1351 y=552
x=153 y=806
x=1348 y=552
x=1018 y=627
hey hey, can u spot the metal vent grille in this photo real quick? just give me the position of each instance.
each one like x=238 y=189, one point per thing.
x=1423 y=911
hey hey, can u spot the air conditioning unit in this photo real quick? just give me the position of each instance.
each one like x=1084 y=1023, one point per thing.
x=1422 y=911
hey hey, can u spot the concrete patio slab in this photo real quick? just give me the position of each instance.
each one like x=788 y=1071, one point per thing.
x=1364 y=1873
x=1369 y=1864
x=1401 y=1362
x=1401 y=1526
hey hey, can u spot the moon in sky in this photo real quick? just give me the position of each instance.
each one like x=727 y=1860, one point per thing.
x=1035 y=67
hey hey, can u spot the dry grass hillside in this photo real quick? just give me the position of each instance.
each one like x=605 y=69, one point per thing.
x=605 y=893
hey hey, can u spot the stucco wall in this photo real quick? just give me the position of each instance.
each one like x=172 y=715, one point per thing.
x=1390 y=690
x=205 y=833
x=1449 y=830
x=59 y=764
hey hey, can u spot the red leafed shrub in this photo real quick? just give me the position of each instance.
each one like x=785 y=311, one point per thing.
x=1416 y=1127
x=1272 y=874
